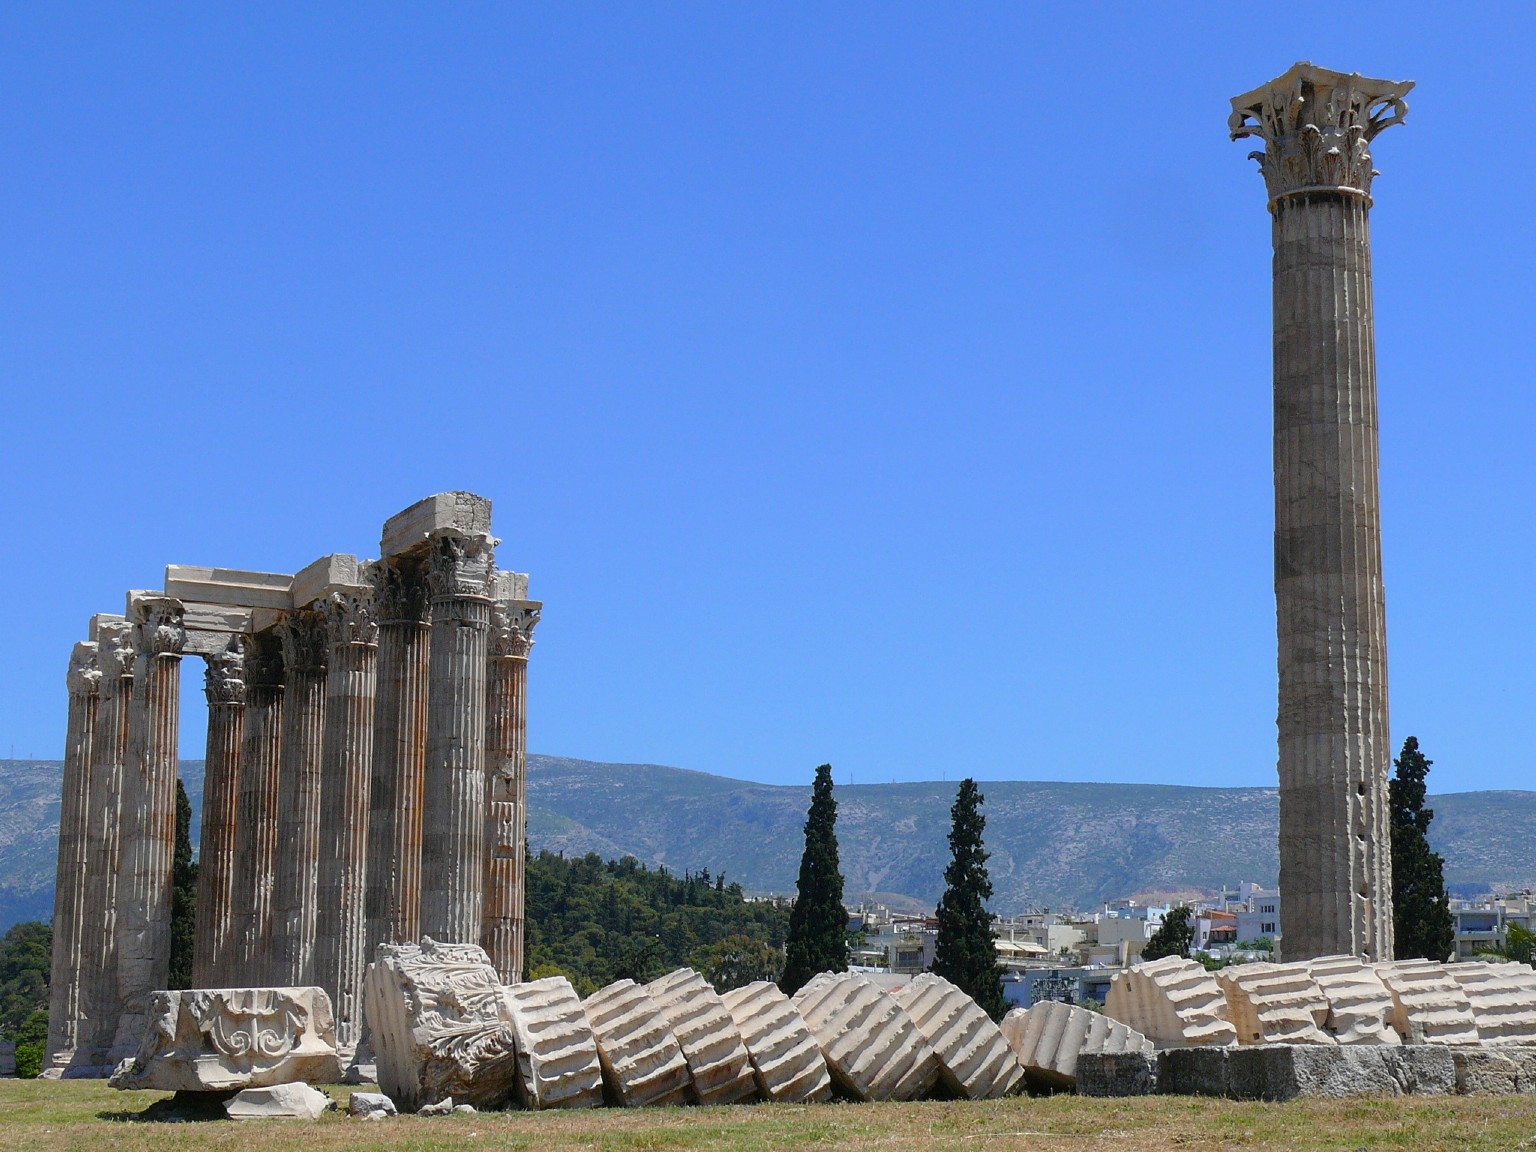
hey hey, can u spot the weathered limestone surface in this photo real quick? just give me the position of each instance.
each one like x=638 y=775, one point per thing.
x=1360 y=1008
x=211 y=1040
x=506 y=752
x=279 y=1102
x=1502 y=997
x=1174 y=1002
x=370 y=1106
x=256 y=821
x=149 y=815
x=1051 y=1038
x=1429 y=1006
x=719 y=1068
x=557 y=1063
x=643 y=1064
x=1335 y=866
x=224 y=685
x=351 y=683
x=786 y=1059
x=1286 y=1071
x=1498 y=1070
x=459 y=568
x=1116 y=1073
x=296 y=894
x=873 y=1049
x=976 y=1062
x=1275 y=1004
x=440 y=1025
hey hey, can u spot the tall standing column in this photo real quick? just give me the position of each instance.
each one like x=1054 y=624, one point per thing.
x=298 y=822
x=453 y=817
x=1335 y=848
x=224 y=684
x=149 y=816
x=250 y=962
x=109 y=753
x=506 y=753
x=399 y=753
x=71 y=882
x=351 y=687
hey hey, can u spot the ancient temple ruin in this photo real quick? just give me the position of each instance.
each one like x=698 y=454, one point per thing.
x=364 y=778
x=1335 y=847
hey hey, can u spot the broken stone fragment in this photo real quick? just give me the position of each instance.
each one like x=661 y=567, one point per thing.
x=873 y=1049
x=1051 y=1038
x=278 y=1102
x=370 y=1105
x=643 y=1064
x=718 y=1064
x=785 y=1056
x=557 y=1064
x=1173 y=1002
x=975 y=1061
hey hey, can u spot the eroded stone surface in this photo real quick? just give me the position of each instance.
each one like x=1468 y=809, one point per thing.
x=557 y=1064
x=278 y=1102
x=786 y=1059
x=1429 y=1006
x=370 y=1105
x=1502 y=997
x=642 y=1062
x=1116 y=1073
x=1050 y=1038
x=1499 y=1070
x=440 y=1025
x=718 y=1064
x=210 y=1040
x=1173 y=1002
x=1360 y=1008
x=975 y=1061
x=873 y=1049
x=1275 y=1004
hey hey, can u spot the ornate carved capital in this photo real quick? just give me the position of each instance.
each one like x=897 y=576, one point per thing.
x=264 y=660
x=84 y=677
x=400 y=590
x=1317 y=126
x=512 y=625
x=114 y=655
x=349 y=617
x=459 y=564
x=303 y=635
x=224 y=674
x=157 y=626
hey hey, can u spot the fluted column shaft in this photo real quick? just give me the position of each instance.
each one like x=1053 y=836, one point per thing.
x=506 y=751
x=149 y=816
x=351 y=688
x=71 y=883
x=453 y=817
x=109 y=753
x=249 y=947
x=298 y=823
x=224 y=684
x=399 y=754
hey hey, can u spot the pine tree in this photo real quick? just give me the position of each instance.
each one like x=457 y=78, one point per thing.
x=183 y=893
x=1173 y=936
x=818 y=923
x=1421 y=909
x=965 y=953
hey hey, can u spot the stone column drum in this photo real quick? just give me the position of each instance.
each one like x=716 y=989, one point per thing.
x=506 y=753
x=295 y=897
x=453 y=812
x=71 y=880
x=1335 y=867
x=148 y=816
x=109 y=752
x=224 y=685
x=249 y=946
x=399 y=752
x=351 y=686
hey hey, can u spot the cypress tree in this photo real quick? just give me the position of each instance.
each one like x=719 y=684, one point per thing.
x=965 y=953
x=818 y=923
x=1421 y=909
x=183 y=893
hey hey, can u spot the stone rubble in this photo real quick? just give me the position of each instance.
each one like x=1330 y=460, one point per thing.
x=786 y=1059
x=1050 y=1038
x=643 y=1064
x=718 y=1064
x=1173 y=1002
x=975 y=1061
x=872 y=1047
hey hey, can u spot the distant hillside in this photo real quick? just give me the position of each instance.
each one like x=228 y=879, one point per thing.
x=1052 y=844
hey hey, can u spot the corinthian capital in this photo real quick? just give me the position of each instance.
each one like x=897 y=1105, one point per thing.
x=349 y=616
x=84 y=677
x=303 y=635
x=157 y=626
x=459 y=564
x=512 y=625
x=400 y=590
x=114 y=655
x=1317 y=126
x=224 y=675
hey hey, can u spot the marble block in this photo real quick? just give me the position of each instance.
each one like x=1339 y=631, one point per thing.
x=1275 y=1004
x=1050 y=1037
x=873 y=1049
x=557 y=1064
x=1360 y=1009
x=1173 y=1002
x=785 y=1056
x=975 y=1061
x=642 y=1062
x=718 y=1064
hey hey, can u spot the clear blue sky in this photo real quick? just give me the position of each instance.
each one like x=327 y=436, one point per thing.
x=881 y=384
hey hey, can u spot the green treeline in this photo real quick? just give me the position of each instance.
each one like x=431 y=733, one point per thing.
x=597 y=921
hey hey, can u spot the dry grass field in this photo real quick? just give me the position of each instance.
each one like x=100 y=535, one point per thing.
x=48 y=1117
